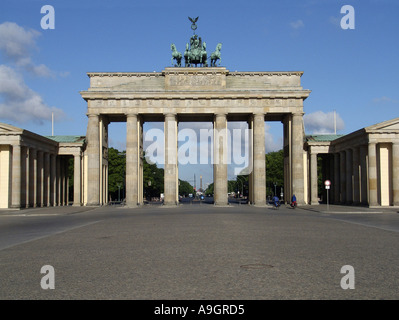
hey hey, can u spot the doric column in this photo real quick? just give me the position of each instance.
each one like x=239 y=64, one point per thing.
x=93 y=152
x=395 y=173
x=372 y=157
x=40 y=179
x=16 y=177
x=356 y=175
x=220 y=160
x=171 y=174
x=27 y=176
x=342 y=176
x=349 y=187
x=32 y=178
x=132 y=155
x=53 y=180
x=76 y=180
x=363 y=175
x=313 y=179
x=297 y=157
x=259 y=166
x=337 y=183
x=47 y=181
x=58 y=182
x=66 y=184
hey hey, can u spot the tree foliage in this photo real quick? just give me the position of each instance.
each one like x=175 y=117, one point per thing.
x=274 y=171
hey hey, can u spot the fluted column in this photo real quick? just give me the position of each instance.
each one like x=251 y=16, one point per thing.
x=356 y=176
x=395 y=173
x=53 y=180
x=297 y=157
x=76 y=180
x=349 y=187
x=93 y=152
x=33 y=177
x=58 y=182
x=336 y=185
x=259 y=166
x=363 y=175
x=220 y=160
x=47 y=181
x=16 y=177
x=132 y=154
x=342 y=176
x=40 y=179
x=171 y=174
x=27 y=176
x=313 y=179
x=372 y=156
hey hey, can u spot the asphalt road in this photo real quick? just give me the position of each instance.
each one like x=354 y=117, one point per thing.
x=198 y=251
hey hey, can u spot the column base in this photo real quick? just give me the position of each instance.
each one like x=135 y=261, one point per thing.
x=314 y=203
x=94 y=204
x=76 y=205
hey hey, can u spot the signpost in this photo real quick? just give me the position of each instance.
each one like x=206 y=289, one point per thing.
x=327 y=184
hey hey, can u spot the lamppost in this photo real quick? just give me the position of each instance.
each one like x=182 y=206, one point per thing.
x=275 y=190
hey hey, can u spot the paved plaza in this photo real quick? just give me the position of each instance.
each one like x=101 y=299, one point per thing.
x=199 y=251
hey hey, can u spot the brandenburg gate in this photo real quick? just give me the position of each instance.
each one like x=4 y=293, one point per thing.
x=194 y=94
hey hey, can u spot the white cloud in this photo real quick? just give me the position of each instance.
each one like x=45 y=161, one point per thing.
x=385 y=99
x=297 y=24
x=320 y=122
x=21 y=104
x=17 y=44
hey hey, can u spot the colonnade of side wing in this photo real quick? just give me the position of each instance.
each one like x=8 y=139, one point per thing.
x=134 y=161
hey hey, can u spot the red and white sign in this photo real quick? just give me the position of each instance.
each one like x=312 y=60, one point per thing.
x=327 y=183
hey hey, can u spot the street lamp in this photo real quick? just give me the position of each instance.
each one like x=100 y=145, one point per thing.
x=275 y=190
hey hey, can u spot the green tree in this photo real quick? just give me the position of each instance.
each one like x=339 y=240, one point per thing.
x=116 y=173
x=274 y=171
x=185 y=188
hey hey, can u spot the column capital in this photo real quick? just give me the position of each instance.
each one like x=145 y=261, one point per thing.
x=221 y=114
x=170 y=114
x=92 y=115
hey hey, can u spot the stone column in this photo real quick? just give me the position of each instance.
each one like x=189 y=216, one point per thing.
x=297 y=157
x=356 y=175
x=363 y=175
x=40 y=179
x=33 y=177
x=170 y=181
x=372 y=174
x=132 y=154
x=259 y=166
x=47 y=182
x=313 y=179
x=342 y=176
x=27 y=177
x=220 y=160
x=337 y=183
x=76 y=180
x=16 y=177
x=93 y=152
x=349 y=187
x=53 y=180
x=395 y=173
x=58 y=182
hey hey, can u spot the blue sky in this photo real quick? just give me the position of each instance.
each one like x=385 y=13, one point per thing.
x=355 y=72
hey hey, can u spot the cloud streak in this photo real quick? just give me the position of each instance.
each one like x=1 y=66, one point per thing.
x=17 y=44
x=320 y=122
x=21 y=104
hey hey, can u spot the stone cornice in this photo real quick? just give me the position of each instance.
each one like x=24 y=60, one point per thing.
x=194 y=71
x=193 y=95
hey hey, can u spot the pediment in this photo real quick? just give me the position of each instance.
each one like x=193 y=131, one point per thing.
x=386 y=126
x=7 y=128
